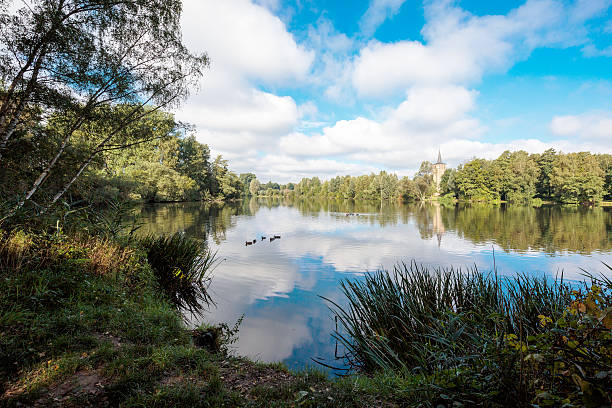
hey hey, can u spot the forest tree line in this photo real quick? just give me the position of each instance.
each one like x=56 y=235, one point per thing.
x=513 y=176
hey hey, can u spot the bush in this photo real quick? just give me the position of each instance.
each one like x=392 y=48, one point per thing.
x=570 y=362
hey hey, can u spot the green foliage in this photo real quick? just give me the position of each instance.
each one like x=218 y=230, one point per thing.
x=520 y=177
x=181 y=266
x=245 y=179
x=515 y=176
x=546 y=162
x=473 y=181
x=467 y=339
x=577 y=178
x=80 y=79
x=569 y=362
x=447 y=183
x=157 y=183
x=254 y=186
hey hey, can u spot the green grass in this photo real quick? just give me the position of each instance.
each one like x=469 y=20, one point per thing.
x=433 y=318
x=182 y=267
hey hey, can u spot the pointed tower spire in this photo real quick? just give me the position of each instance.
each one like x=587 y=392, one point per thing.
x=439 y=156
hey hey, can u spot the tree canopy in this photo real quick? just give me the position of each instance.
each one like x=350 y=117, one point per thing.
x=73 y=68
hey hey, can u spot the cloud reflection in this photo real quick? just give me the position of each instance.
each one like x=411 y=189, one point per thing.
x=276 y=284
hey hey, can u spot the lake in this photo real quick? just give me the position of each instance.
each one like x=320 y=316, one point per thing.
x=277 y=285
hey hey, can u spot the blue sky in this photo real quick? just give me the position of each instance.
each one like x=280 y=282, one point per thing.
x=304 y=87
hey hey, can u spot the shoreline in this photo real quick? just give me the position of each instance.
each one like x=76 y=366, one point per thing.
x=86 y=323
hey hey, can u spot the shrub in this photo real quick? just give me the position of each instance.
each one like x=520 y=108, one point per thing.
x=570 y=362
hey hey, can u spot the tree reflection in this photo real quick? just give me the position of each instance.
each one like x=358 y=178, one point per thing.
x=512 y=227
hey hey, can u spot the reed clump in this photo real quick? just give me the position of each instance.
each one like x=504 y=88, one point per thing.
x=182 y=267
x=479 y=338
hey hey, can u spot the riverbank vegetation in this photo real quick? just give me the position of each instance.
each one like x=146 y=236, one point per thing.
x=514 y=176
x=467 y=339
x=87 y=321
x=90 y=320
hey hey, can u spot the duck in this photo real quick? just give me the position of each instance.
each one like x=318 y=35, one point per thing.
x=272 y=239
x=248 y=243
x=254 y=241
x=277 y=237
x=262 y=237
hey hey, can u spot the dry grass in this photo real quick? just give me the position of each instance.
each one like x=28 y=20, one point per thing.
x=106 y=257
x=19 y=250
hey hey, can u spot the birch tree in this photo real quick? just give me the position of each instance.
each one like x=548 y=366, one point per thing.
x=75 y=58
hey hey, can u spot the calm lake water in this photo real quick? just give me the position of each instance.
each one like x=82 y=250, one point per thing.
x=276 y=285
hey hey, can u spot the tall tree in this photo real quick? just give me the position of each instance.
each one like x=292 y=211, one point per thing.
x=473 y=180
x=515 y=175
x=72 y=58
x=245 y=179
x=546 y=162
x=447 y=183
x=254 y=187
x=194 y=162
x=424 y=182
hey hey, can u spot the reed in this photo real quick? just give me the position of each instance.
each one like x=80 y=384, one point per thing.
x=182 y=267
x=417 y=318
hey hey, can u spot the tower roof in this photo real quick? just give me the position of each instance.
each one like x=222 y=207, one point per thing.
x=439 y=158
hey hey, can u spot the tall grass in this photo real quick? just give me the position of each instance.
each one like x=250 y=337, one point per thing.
x=182 y=268
x=421 y=319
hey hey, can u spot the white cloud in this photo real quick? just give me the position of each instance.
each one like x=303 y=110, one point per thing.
x=377 y=13
x=591 y=51
x=247 y=45
x=269 y=133
x=459 y=48
x=427 y=118
x=244 y=39
x=588 y=126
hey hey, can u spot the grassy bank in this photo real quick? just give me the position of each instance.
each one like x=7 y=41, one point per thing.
x=85 y=323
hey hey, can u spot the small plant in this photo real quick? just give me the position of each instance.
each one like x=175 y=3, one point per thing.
x=570 y=362
x=115 y=221
x=217 y=338
x=182 y=267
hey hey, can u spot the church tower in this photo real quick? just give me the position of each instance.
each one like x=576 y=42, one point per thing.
x=438 y=170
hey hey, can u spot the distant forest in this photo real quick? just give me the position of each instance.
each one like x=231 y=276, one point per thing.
x=514 y=176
